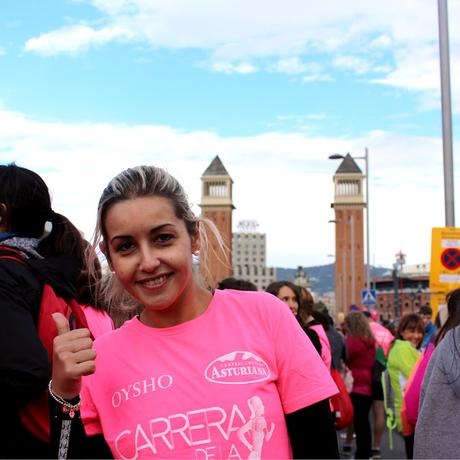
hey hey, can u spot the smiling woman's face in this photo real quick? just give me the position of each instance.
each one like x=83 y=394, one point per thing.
x=150 y=251
x=412 y=335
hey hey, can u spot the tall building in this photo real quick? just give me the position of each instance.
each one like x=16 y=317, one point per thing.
x=349 y=235
x=217 y=206
x=249 y=256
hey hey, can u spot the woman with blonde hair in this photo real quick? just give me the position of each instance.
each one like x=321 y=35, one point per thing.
x=175 y=380
x=361 y=358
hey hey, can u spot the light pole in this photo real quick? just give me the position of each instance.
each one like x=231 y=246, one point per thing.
x=446 y=113
x=352 y=243
x=340 y=290
x=365 y=158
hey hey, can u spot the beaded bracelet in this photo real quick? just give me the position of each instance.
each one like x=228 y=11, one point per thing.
x=67 y=406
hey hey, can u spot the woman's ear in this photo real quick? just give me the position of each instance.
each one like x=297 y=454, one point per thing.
x=196 y=244
x=104 y=251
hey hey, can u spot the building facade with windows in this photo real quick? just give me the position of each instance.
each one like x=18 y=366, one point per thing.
x=249 y=256
x=402 y=291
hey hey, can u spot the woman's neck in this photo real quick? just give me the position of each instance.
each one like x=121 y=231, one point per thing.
x=186 y=308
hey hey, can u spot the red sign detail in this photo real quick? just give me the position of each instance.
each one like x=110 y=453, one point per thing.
x=450 y=258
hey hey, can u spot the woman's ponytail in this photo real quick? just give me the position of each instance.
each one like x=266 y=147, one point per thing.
x=64 y=238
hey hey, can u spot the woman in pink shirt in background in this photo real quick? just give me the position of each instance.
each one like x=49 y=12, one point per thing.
x=199 y=373
x=306 y=307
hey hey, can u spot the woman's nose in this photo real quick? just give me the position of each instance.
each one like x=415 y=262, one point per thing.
x=292 y=304
x=149 y=260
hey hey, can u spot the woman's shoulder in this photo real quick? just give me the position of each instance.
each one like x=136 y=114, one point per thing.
x=362 y=343
x=250 y=299
x=109 y=338
x=16 y=272
x=449 y=345
x=399 y=345
x=255 y=304
x=452 y=337
x=19 y=287
x=402 y=350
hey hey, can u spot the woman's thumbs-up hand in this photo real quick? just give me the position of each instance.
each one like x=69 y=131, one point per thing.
x=73 y=357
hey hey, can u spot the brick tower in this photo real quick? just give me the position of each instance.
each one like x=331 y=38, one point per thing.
x=217 y=206
x=349 y=235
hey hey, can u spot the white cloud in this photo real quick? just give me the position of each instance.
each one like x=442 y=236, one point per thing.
x=353 y=63
x=312 y=78
x=382 y=41
x=415 y=69
x=294 y=66
x=284 y=181
x=230 y=68
x=74 y=39
x=397 y=39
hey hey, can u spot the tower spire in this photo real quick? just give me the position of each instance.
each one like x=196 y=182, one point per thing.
x=217 y=206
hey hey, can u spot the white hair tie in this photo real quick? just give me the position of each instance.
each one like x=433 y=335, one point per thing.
x=47 y=229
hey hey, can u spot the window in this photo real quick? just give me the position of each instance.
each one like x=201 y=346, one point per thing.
x=216 y=189
x=348 y=187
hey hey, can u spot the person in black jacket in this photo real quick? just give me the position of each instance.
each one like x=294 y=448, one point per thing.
x=50 y=249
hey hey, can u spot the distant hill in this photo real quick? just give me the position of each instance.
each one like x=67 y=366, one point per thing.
x=321 y=277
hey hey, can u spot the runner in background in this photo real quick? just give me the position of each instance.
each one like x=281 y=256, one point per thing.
x=402 y=357
x=306 y=308
x=383 y=338
x=361 y=358
x=289 y=293
x=37 y=246
x=426 y=313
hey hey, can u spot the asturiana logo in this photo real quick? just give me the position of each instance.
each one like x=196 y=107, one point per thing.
x=238 y=367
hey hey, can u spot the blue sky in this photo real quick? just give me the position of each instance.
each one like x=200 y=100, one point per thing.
x=90 y=87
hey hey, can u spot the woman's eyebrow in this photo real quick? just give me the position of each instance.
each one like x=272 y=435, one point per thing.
x=153 y=230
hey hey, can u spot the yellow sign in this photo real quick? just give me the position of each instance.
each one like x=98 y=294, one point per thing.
x=445 y=265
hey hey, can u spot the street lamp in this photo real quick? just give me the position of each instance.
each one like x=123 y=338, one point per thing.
x=365 y=158
x=443 y=24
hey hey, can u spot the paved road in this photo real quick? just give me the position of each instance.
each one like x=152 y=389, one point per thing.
x=398 y=451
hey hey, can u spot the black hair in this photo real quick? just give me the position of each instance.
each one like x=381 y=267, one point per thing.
x=238 y=284
x=425 y=310
x=323 y=318
x=86 y=292
x=453 y=318
x=28 y=206
x=409 y=321
x=27 y=200
x=274 y=288
x=306 y=305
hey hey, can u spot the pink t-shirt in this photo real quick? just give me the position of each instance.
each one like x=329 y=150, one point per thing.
x=99 y=322
x=382 y=336
x=326 y=354
x=217 y=386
